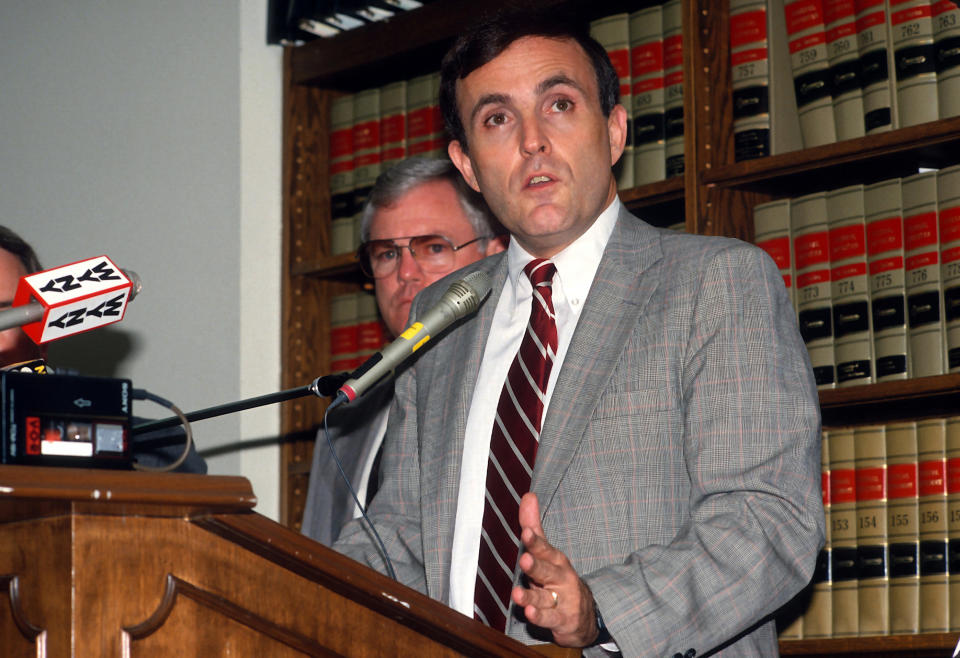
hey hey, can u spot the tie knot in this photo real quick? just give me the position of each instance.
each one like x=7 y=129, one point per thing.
x=540 y=271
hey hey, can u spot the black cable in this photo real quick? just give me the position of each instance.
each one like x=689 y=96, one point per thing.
x=142 y=394
x=340 y=399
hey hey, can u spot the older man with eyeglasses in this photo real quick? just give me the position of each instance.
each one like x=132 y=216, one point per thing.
x=421 y=222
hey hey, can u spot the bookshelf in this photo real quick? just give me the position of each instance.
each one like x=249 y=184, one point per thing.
x=715 y=195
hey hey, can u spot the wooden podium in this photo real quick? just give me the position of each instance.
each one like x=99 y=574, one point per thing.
x=118 y=563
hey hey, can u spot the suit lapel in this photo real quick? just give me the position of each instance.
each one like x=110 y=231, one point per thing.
x=451 y=394
x=625 y=280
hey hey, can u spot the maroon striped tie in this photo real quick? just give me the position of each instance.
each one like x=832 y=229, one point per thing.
x=513 y=449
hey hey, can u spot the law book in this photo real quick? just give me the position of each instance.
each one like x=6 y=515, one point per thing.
x=343 y=332
x=342 y=232
x=342 y=201
x=811 y=257
x=613 y=33
x=873 y=578
x=646 y=70
x=673 y=86
x=922 y=254
x=765 y=119
x=884 y=217
x=946 y=43
x=903 y=527
x=366 y=144
x=850 y=286
x=948 y=211
x=876 y=66
x=370 y=330
x=425 y=136
x=771 y=232
x=810 y=64
x=911 y=27
x=953 y=519
x=843 y=528
x=932 y=508
x=840 y=24
x=393 y=123
x=818 y=618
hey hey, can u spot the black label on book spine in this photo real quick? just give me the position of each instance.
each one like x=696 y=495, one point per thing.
x=948 y=54
x=871 y=561
x=915 y=60
x=953 y=546
x=953 y=358
x=889 y=312
x=342 y=205
x=821 y=572
x=845 y=77
x=892 y=365
x=823 y=375
x=951 y=303
x=844 y=564
x=673 y=122
x=933 y=557
x=877 y=118
x=851 y=318
x=811 y=87
x=675 y=165
x=751 y=144
x=873 y=68
x=816 y=323
x=648 y=128
x=904 y=560
x=751 y=101
x=924 y=308
x=853 y=370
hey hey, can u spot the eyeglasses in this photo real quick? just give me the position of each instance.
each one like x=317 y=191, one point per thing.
x=433 y=253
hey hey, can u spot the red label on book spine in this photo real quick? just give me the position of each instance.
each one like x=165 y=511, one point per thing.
x=802 y=15
x=813 y=278
x=825 y=487
x=953 y=475
x=920 y=230
x=750 y=55
x=811 y=249
x=843 y=486
x=778 y=249
x=647 y=58
x=949 y=224
x=392 y=128
x=810 y=41
x=874 y=19
x=837 y=10
x=884 y=235
x=922 y=260
x=620 y=58
x=649 y=84
x=847 y=271
x=871 y=483
x=902 y=480
x=912 y=14
x=748 y=27
x=933 y=481
x=886 y=264
x=673 y=51
x=847 y=242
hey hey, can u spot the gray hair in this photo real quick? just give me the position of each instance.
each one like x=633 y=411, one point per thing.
x=10 y=241
x=413 y=172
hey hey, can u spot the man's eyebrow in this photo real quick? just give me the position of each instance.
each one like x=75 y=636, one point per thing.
x=556 y=80
x=487 y=99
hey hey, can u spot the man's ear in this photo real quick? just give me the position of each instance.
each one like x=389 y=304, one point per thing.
x=497 y=243
x=462 y=162
x=617 y=130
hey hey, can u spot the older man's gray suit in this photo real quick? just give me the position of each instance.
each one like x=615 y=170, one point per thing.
x=678 y=465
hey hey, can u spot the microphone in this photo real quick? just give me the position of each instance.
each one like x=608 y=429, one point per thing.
x=71 y=299
x=462 y=298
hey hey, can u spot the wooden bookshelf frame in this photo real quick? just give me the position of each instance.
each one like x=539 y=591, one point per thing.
x=716 y=195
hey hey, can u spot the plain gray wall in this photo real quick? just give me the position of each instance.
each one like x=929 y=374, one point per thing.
x=149 y=131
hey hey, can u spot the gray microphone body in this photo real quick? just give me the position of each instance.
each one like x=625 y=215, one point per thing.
x=462 y=298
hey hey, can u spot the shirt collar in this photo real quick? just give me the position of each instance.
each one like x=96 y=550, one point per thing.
x=576 y=264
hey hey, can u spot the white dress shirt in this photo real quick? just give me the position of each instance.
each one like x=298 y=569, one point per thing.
x=576 y=267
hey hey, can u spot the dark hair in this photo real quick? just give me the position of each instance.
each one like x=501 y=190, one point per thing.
x=484 y=42
x=10 y=241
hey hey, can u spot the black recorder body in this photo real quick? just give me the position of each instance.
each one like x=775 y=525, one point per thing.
x=65 y=420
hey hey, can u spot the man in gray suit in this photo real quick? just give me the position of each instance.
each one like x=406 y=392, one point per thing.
x=675 y=495
x=420 y=223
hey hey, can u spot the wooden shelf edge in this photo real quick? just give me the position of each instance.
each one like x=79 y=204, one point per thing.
x=653 y=194
x=328 y=266
x=889 y=401
x=912 y=139
x=939 y=644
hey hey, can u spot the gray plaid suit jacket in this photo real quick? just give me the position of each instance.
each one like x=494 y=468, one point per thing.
x=679 y=461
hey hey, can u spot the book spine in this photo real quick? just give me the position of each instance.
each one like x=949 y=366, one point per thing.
x=343 y=332
x=953 y=519
x=903 y=527
x=424 y=122
x=873 y=587
x=646 y=68
x=673 y=86
x=876 y=65
x=946 y=41
x=771 y=225
x=842 y=51
x=818 y=618
x=750 y=84
x=948 y=210
x=882 y=207
x=366 y=145
x=850 y=286
x=393 y=123
x=807 y=38
x=613 y=33
x=922 y=253
x=932 y=507
x=342 y=200
x=843 y=528
x=911 y=29
x=811 y=256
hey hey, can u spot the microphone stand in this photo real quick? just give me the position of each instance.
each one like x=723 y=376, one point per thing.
x=325 y=386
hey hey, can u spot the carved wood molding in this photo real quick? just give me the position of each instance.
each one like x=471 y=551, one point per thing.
x=216 y=603
x=10 y=585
